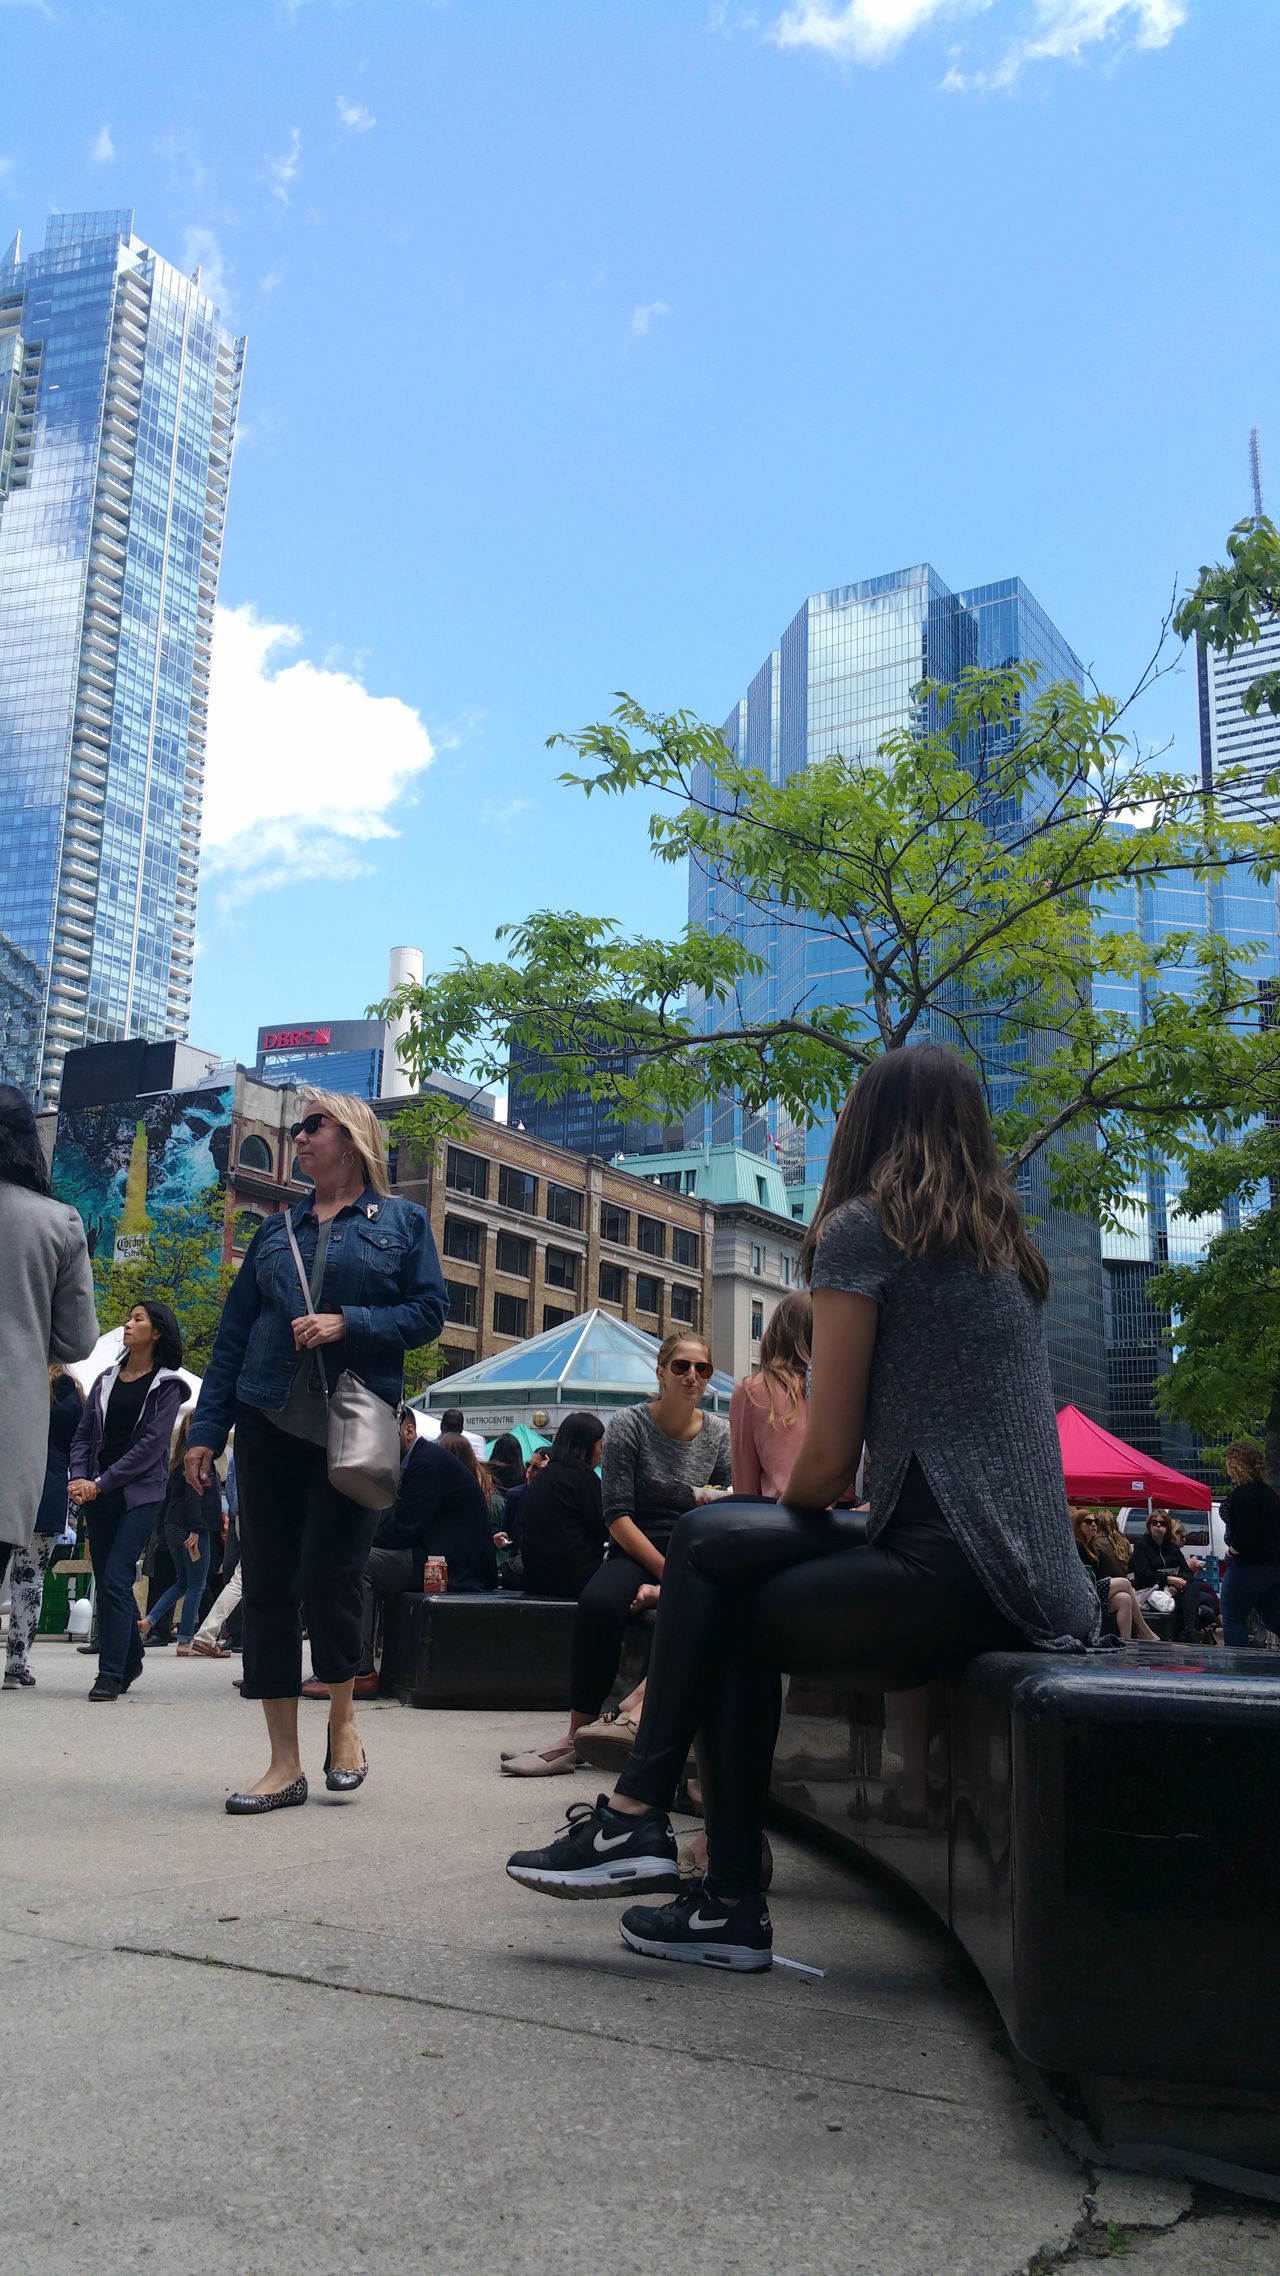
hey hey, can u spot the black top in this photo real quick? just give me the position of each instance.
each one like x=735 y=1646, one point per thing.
x=124 y=1411
x=1154 y=1560
x=441 y=1512
x=188 y=1510
x=563 y=1535
x=1252 y=1517
x=64 y=1417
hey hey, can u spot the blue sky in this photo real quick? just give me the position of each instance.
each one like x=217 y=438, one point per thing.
x=588 y=336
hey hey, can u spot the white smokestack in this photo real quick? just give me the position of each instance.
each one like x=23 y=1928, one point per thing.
x=406 y=964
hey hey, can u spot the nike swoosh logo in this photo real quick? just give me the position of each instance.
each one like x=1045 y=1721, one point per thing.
x=605 y=1841
x=696 y=1920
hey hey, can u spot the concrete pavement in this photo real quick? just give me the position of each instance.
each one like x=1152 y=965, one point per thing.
x=339 y=2042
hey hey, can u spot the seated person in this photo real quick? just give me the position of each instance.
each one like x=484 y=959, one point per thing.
x=1121 y=1611
x=563 y=1533
x=1158 y=1562
x=439 y=1511
x=513 y=1514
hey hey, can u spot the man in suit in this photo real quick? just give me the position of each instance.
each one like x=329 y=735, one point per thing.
x=438 y=1512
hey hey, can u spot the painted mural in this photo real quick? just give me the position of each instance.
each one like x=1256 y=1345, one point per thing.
x=126 y=1166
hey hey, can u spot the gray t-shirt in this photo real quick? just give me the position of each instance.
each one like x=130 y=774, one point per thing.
x=650 y=1477
x=960 y=1379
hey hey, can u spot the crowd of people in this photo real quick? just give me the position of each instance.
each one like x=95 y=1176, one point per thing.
x=886 y=1494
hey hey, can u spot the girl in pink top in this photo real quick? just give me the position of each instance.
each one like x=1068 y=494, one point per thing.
x=767 y=1412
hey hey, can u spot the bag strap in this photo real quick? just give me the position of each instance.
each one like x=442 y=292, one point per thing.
x=307 y=1296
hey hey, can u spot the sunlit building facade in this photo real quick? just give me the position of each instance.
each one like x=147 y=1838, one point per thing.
x=119 y=391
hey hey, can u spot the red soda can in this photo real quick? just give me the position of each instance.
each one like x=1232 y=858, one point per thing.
x=435 y=1576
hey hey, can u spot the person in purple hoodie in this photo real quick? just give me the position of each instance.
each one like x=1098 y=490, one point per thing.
x=120 y=1469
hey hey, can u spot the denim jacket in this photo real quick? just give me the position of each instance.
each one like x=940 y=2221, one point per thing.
x=381 y=1272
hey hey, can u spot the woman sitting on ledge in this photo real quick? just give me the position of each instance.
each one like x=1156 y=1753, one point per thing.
x=1117 y=1597
x=928 y=1341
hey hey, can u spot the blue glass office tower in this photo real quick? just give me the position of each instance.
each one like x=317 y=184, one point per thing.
x=841 y=679
x=119 y=389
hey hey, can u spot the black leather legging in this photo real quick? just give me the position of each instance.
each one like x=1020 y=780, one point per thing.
x=752 y=1589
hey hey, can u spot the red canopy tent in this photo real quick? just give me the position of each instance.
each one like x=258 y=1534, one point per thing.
x=1100 y=1468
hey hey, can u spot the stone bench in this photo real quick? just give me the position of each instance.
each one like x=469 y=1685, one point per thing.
x=1100 y=1834
x=503 y=1650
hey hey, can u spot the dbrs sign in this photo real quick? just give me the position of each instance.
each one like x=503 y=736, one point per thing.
x=288 y=1038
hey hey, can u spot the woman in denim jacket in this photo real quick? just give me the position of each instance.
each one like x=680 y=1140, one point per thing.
x=376 y=1291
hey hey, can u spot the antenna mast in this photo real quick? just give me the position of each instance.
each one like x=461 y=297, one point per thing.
x=1255 y=472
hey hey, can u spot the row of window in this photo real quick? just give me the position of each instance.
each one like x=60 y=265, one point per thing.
x=518 y=1189
x=511 y=1313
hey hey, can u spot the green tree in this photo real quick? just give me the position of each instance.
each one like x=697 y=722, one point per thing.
x=1229 y=605
x=1225 y=1377
x=983 y=872
x=422 y=1368
x=180 y=1264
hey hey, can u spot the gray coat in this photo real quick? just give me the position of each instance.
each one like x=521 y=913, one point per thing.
x=46 y=1312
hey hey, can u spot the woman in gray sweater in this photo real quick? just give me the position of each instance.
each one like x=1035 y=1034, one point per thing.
x=928 y=1347
x=660 y=1459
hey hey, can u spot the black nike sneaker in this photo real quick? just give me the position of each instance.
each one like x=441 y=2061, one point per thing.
x=601 y=1853
x=699 y=1928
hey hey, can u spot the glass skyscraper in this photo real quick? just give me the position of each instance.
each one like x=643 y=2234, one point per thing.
x=841 y=679
x=119 y=390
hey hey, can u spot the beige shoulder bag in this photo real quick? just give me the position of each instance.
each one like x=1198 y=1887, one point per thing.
x=362 y=1440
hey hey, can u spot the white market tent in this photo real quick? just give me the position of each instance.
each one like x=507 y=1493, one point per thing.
x=593 y=1361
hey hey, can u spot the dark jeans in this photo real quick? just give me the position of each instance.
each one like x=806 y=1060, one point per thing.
x=117 y=1538
x=752 y=1589
x=388 y=1572
x=599 y=1625
x=189 y=1585
x=303 y=1549
x=1248 y=1588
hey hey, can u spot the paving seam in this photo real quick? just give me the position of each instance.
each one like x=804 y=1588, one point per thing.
x=542 y=2023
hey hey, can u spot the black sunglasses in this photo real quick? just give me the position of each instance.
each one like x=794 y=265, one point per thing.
x=310 y=1123
x=700 y=1367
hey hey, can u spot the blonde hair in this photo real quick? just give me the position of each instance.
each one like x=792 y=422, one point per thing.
x=1117 y=1541
x=785 y=1353
x=357 y=1118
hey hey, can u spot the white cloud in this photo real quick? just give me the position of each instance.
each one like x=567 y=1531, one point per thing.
x=498 y=811
x=354 y=116
x=871 y=31
x=8 y=167
x=861 y=31
x=102 y=149
x=644 y=317
x=304 y=765
x=282 y=171
x=272 y=281
x=201 y=250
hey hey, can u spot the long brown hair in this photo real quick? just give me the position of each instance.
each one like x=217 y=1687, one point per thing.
x=456 y=1443
x=914 y=1142
x=785 y=1352
x=60 y=1374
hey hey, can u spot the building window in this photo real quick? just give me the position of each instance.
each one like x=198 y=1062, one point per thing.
x=797 y=1210
x=463 y=1239
x=246 y=1225
x=613 y=1284
x=564 y=1206
x=615 y=1224
x=553 y=1317
x=684 y=1246
x=757 y=1322
x=684 y=1307
x=455 y=1356
x=462 y=1303
x=255 y=1154
x=511 y=1315
x=297 y=1175
x=512 y=1255
x=651 y=1236
x=757 y=1260
x=562 y=1269
x=669 y=1180
x=788 y=1271
x=517 y=1190
x=467 y=1173
x=762 y=1193
x=393 y=1165
x=648 y=1293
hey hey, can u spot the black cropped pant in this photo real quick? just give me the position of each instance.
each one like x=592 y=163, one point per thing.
x=599 y=1625
x=303 y=1550
x=752 y=1589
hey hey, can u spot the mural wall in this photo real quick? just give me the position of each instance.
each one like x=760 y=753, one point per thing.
x=127 y=1165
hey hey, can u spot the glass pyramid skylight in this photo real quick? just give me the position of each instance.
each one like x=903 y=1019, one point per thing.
x=585 y=1359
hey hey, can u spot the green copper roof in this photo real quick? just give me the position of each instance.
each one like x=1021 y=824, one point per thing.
x=718 y=1174
x=593 y=1359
